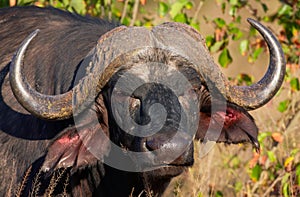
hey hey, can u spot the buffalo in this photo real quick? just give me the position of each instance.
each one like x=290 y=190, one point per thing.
x=89 y=107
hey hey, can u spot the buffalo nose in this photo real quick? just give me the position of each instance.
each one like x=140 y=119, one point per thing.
x=176 y=149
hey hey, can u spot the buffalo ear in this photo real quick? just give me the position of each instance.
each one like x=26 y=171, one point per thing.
x=82 y=144
x=72 y=149
x=235 y=125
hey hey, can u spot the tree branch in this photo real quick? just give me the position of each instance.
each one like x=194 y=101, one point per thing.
x=134 y=12
x=195 y=17
x=124 y=12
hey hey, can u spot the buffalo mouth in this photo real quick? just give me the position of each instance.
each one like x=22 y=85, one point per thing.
x=175 y=168
x=169 y=171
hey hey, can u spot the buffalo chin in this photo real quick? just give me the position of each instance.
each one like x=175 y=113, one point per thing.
x=167 y=171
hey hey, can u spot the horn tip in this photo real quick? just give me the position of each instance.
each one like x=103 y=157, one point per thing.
x=252 y=21
x=35 y=32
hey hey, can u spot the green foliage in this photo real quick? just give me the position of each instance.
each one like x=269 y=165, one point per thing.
x=255 y=54
x=298 y=174
x=295 y=84
x=177 y=11
x=283 y=106
x=244 y=79
x=225 y=58
x=163 y=9
x=177 y=8
x=271 y=156
x=244 y=47
x=4 y=3
x=256 y=172
x=219 y=194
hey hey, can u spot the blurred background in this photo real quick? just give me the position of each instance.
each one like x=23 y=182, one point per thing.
x=235 y=170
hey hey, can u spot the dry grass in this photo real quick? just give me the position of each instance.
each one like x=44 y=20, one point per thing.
x=22 y=185
x=55 y=179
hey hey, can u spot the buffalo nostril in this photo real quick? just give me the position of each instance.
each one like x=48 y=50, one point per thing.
x=151 y=145
x=155 y=143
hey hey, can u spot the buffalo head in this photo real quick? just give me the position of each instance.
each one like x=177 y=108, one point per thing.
x=141 y=96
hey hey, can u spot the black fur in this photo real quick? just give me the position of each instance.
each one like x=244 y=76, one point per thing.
x=52 y=60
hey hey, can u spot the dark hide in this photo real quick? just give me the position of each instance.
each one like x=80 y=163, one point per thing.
x=28 y=144
x=24 y=138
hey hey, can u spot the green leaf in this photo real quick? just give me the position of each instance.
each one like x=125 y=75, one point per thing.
x=163 y=9
x=267 y=19
x=232 y=11
x=219 y=194
x=238 y=186
x=189 y=5
x=252 y=32
x=65 y=2
x=223 y=7
x=256 y=172
x=217 y=46
x=265 y=7
x=244 y=46
x=210 y=40
x=271 y=175
x=282 y=107
x=25 y=2
x=235 y=162
x=255 y=54
x=271 y=156
x=285 y=190
x=285 y=10
x=233 y=2
x=225 y=58
x=220 y=22
x=285 y=178
x=244 y=78
x=295 y=151
x=78 y=6
x=195 y=26
x=295 y=84
x=238 y=19
x=298 y=174
x=182 y=18
x=237 y=33
x=177 y=7
x=262 y=136
x=285 y=182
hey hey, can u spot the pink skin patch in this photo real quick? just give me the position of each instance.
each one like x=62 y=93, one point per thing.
x=68 y=140
x=230 y=116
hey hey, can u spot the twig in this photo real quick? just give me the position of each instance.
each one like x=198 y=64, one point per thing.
x=109 y=9
x=195 y=17
x=135 y=11
x=124 y=12
x=273 y=184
